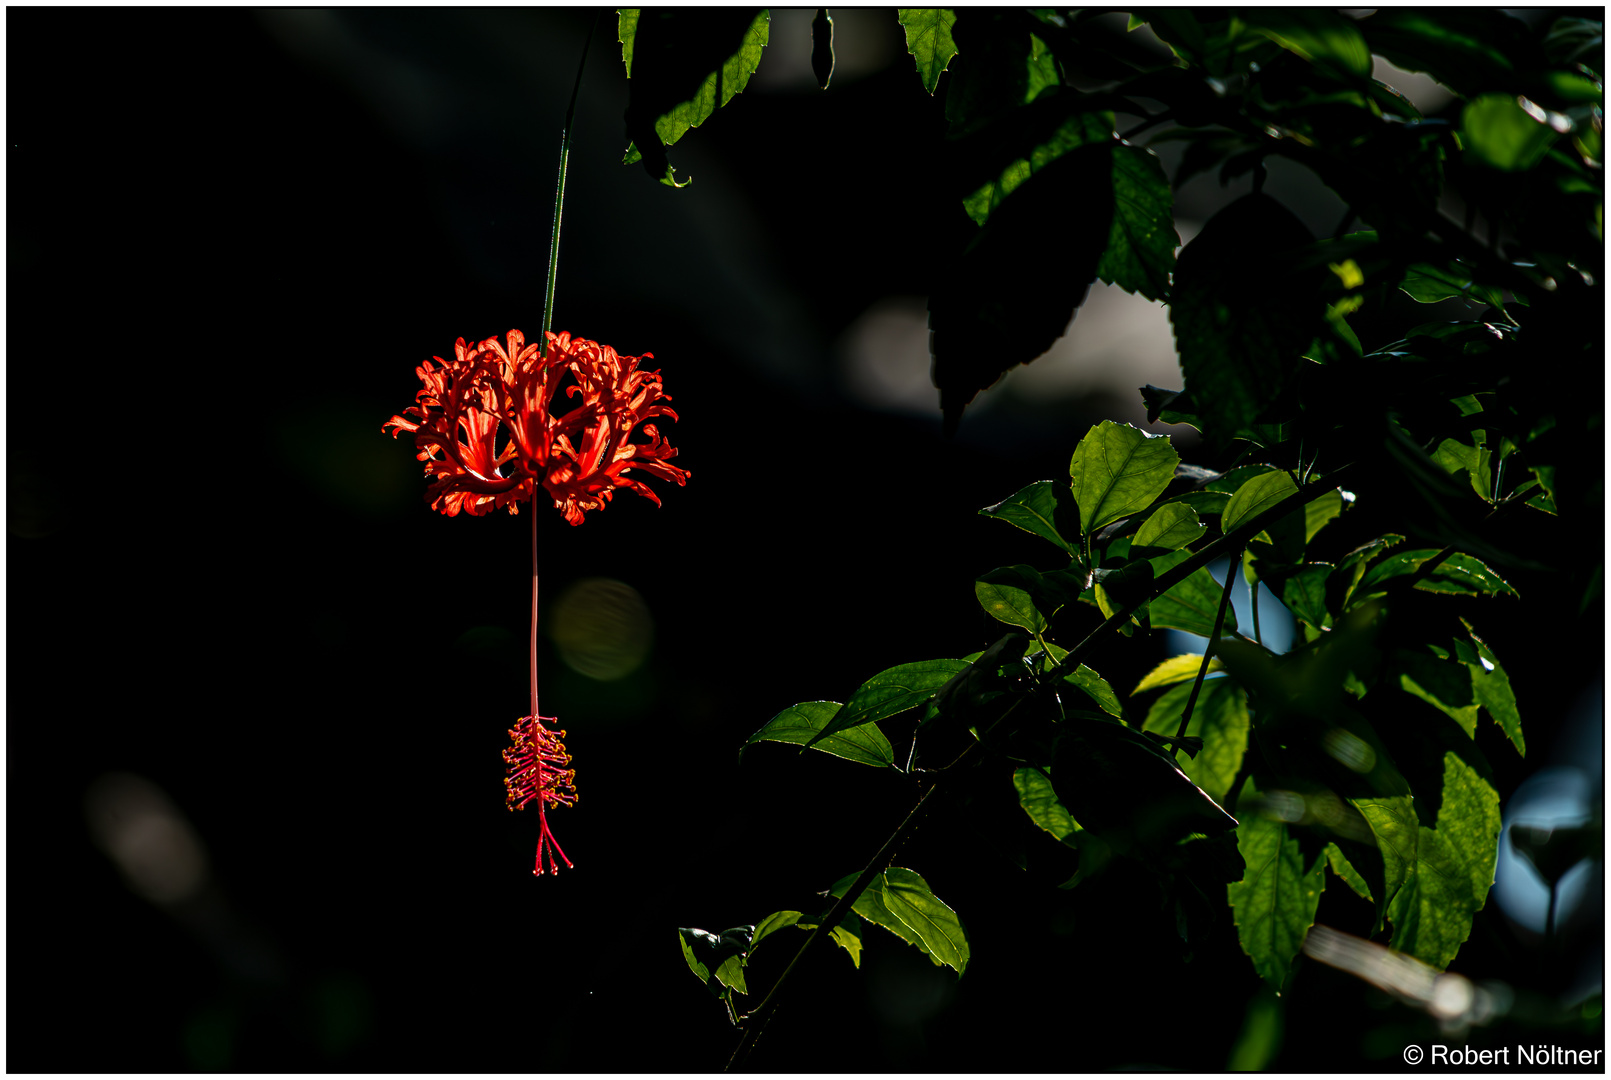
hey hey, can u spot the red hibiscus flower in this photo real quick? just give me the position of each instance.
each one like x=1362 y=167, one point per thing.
x=485 y=428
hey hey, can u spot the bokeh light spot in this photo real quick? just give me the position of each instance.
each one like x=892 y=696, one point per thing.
x=602 y=628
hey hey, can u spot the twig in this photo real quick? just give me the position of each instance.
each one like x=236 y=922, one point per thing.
x=1231 y=571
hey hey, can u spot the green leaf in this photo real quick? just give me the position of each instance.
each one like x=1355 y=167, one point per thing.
x=1462 y=48
x=909 y=898
x=1118 y=470
x=1220 y=718
x=1078 y=130
x=1443 y=684
x=1242 y=311
x=1256 y=496
x=685 y=937
x=1327 y=39
x=1428 y=284
x=1044 y=508
x=1039 y=801
x=1009 y=594
x=689 y=62
x=730 y=973
x=775 y=921
x=802 y=725
x=934 y=928
x=1457 y=457
x=626 y=30
x=890 y=693
x=1453 y=870
x=1499 y=132
x=1492 y=687
x=1304 y=594
x=1176 y=669
x=1274 y=904
x=1088 y=682
x=847 y=935
x=1345 y=870
x=1173 y=525
x=1392 y=822
x=1141 y=248
x=1191 y=605
x=1459 y=575
x=928 y=41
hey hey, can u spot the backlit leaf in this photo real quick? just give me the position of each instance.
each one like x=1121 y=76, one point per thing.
x=1492 y=686
x=778 y=920
x=889 y=693
x=1118 y=470
x=802 y=723
x=1220 y=718
x=1500 y=133
x=1454 y=867
x=1345 y=870
x=1274 y=904
x=1192 y=605
x=1256 y=496
x=1173 y=525
x=1176 y=669
x=1044 y=508
x=1010 y=594
x=1459 y=575
x=928 y=41
x=1324 y=37
x=909 y=898
x=1039 y=801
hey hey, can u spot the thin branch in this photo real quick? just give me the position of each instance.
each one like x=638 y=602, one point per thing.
x=1231 y=570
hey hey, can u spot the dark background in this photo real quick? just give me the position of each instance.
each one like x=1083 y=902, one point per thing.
x=232 y=236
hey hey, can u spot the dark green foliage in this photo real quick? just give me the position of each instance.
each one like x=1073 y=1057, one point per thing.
x=1390 y=468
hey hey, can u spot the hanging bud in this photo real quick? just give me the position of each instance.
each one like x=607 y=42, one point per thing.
x=822 y=47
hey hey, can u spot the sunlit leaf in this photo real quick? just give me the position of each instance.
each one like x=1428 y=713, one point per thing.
x=928 y=40
x=1176 y=669
x=1443 y=684
x=1498 y=131
x=889 y=693
x=1429 y=284
x=1192 y=606
x=1010 y=594
x=1088 y=681
x=1454 y=867
x=909 y=898
x=1045 y=508
x=1275 y=902
x=1329 y=40
x=1460 y=575
x=1492 y=686
x=626 y=30
x=688 y=63
x=1173 y=525
x=1078 y=130
x=778 y=920
x=802 y=725
x=1346 y=872
x=1220 y=718
x=1393 y=824
x=898 y=895
x=1039 y=801
x=1118 y=470
x=1256 y=496
x=730 y=973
